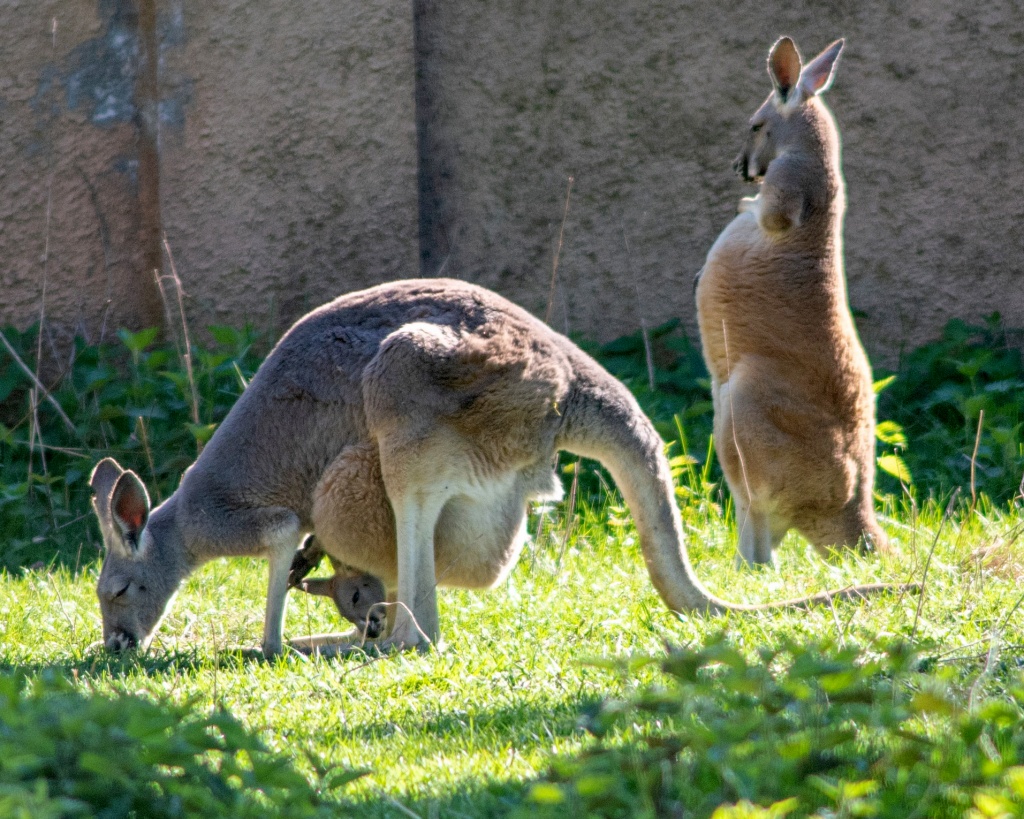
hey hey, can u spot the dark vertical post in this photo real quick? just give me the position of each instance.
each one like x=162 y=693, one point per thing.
x=149 y=308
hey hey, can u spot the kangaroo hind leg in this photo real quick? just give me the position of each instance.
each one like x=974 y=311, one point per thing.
x=760 y=534
x=420 y=477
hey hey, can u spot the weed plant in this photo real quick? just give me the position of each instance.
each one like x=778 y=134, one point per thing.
x=960 y=404
x=65 y=754
x=131 y=398
x=804 y=728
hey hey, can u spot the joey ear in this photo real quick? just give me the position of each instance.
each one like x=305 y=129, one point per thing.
x=103 y=478
x=129 y=508
x=784 y=67
x=818 y=74
x=322 y=586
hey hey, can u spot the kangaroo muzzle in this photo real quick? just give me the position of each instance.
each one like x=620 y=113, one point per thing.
x=742 y=168
x=120 y=641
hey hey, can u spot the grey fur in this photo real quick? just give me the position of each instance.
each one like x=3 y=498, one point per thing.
x=407 y=426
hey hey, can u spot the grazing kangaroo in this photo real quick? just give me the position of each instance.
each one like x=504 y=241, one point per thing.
x=794 y=406
x=406 y=426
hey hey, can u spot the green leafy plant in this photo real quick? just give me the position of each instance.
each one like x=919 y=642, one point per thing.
x=132 y=398
x=892 y=441
x=138 y=399
x=666 y=373
x=802 y=729
x=960 y=403
x=66 y=754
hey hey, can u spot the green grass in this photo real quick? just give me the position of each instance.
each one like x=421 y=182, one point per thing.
x=544 y=699
x=466 y=729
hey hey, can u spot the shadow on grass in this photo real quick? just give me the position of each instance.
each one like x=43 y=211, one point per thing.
x=514 y=727
x=100 y=662
x=96 y=660
x=490 y=798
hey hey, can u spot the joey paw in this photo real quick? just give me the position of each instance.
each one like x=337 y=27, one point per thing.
x=396 y=644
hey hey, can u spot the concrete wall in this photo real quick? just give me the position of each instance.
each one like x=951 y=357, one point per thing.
x=72 y=213
x=276 y=151
x=291 y=177
x=645 y=105
x=288 y=168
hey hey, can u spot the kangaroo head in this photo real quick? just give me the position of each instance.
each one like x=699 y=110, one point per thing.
x=142 y=565
x=792 y=118
x=356 y=596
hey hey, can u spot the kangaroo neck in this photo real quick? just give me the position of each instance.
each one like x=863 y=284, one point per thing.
x=168 y=534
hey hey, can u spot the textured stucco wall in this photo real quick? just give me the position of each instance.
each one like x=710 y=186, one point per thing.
x=292 y=177
x=288 y=155
x=645 y=105
x=70 y=214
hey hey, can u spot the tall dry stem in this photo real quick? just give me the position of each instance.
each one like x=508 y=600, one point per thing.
x=184 y=341
x=558 y=252
x=140 y=425
x=928 y=562
x=570 y=511
x=37 y=384
x=644 y=333
x=35 y=428
x=974 y=459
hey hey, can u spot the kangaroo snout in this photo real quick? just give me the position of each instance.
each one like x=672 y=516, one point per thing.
x=742 y=167
x=120 y=641
x=375 y=622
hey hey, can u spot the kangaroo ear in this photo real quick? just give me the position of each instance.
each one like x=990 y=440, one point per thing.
x=322 y=586
x=817 y=76
x=784 y=67
x=129 y=508
x=103 y=478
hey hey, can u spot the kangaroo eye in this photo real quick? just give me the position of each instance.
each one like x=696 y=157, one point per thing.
x=756 y=127
x=355 y=597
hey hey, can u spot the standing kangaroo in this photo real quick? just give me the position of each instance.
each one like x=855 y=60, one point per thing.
x=794 y=405
x=406 y=426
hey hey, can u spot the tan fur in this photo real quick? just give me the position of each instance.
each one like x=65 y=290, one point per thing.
x=476 y=540
x=406 y=426
x=794 y=406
